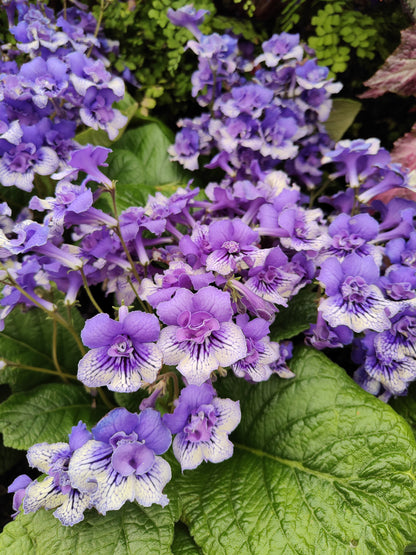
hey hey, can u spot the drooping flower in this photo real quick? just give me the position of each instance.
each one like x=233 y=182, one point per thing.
x=200 y=336
x=121 y=464
x=261 y=352
x=202 y=422
x=56 y=491
x=123 y=354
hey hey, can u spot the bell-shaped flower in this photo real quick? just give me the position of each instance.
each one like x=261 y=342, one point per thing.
x=123 y=353
x=121 y=464
x=202 y=423
x=200 y=336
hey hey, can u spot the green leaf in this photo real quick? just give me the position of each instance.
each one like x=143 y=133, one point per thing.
x=27 y=340
x=140 y=163
x=183 y=544
x=297 y=317
x=128 y=107
x=132 y=529
x=45 y=414
x=343 y=113
x=320 y=466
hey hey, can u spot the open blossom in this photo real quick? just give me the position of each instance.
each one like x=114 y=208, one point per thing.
x=202 y=422
x=121 y=464
x=200 y=336
x=123 y=354
x=56 y=490
x=353 y=298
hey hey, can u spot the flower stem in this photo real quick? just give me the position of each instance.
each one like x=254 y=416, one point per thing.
x=54 y=352
x=88 y=291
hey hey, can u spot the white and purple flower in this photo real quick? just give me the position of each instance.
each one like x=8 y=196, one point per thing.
x=200 y=336
x=56 y=491
x=202 y=422
x=121 y=464
x=354 y=299
x=123 y=353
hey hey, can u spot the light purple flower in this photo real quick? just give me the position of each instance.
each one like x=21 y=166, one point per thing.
x=353 y=298
x=200 y=336
x=121 y=464
x=261 y=352
x=232 y=246
x=202 y=422
x=56 y=491
x=123 y=354
x=187 y=17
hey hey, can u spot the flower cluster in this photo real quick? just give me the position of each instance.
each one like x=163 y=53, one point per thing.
x=266 y=111
x=199 y=280
x=62 y=84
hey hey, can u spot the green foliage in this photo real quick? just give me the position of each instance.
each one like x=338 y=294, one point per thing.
x=136 y=176
x=26 y=341
x=132 y=529
x=339 y=30
x=320 y=466
x=47 y=413
x=297 y=317
x=343 y=114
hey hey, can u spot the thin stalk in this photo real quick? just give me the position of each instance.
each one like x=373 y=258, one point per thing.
x=54 y=352
x=52 y=314
x=39 y=369
x=88 y=291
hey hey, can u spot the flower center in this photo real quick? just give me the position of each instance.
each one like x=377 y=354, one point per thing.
x=122 y=347
x=196 y=326
x=200 y=423
x=354 y=289
x=231 y=246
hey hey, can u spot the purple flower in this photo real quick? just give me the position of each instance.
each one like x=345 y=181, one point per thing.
x=352 y=235
x=122 y=354
x=200 y=337
x=19 y=487
x=56 y=491
x=120 y=463
x=232 y=246
x=202 y=423
x=187 y=17
x=19 y=165
x=261 y=352
x=280 y=47
x=353 y=298
x=88 y=159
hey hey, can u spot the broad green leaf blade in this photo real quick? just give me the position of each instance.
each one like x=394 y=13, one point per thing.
x=297 y=317
x=27 y=340
x=128 y=107
x=320 y=466
x=183 y=544
x=131 y=530
x=140 y=163
x=45 y=414
x=343 y=113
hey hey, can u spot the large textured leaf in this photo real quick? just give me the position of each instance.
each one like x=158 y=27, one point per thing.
x=406 y=407
x=27 y=340
x=140 y=164
x=343 y=113
x=131 y=530
x=183 y=544
x=320 y=466
x=45 y=414
x=297 y=317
